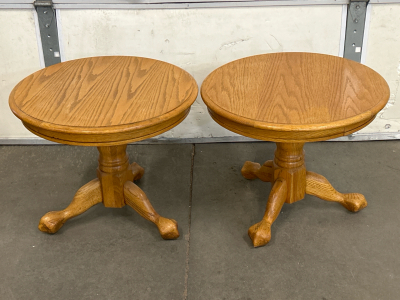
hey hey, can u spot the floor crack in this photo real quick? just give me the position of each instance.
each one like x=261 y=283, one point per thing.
x=187 y=237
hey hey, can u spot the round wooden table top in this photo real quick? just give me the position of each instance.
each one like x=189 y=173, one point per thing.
x=102 y=101
x=294 y=97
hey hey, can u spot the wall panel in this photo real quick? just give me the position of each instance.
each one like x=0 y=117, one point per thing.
x=383 y=55
x=19 y=57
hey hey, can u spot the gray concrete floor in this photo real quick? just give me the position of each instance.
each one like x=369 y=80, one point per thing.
x=318 y=249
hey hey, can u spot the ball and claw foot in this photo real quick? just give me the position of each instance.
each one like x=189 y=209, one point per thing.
x=249 y=169
x=252 y=170
x=52 y=221
x=260 y=233
x=354 y=202
x=137 y=171
x=168 y=228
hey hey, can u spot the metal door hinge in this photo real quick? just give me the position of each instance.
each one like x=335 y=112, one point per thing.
x=356 y=12
x=48 y=32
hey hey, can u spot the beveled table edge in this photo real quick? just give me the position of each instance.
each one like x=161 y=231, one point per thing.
x=93 y=139
x=273 y=135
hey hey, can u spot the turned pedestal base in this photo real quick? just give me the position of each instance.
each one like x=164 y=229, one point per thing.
x=290 y=182
x=114 y=187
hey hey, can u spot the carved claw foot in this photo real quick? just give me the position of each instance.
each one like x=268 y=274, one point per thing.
x=260 y=233
x=354 y=202
x=138 y=200
x=318 y=185
x=168 y=228
x=87 y=196
x=137 y=171
x=251 y=170
x=52 y=221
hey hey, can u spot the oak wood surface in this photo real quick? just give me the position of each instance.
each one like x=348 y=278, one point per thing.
x=100 y=101
x=294 y=97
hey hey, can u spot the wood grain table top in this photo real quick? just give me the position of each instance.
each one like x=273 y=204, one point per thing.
x=106 y=100
x=294 y=97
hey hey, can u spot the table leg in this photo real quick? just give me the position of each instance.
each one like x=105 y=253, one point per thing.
x=87 y=196
x=260 y=233
x=287 y=172
x=138 y=200
x=318 y=185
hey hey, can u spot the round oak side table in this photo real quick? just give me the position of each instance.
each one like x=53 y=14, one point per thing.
x=105 y=102
x=291 y=99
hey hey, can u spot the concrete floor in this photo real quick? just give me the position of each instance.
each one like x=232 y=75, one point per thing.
x=318 y=249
